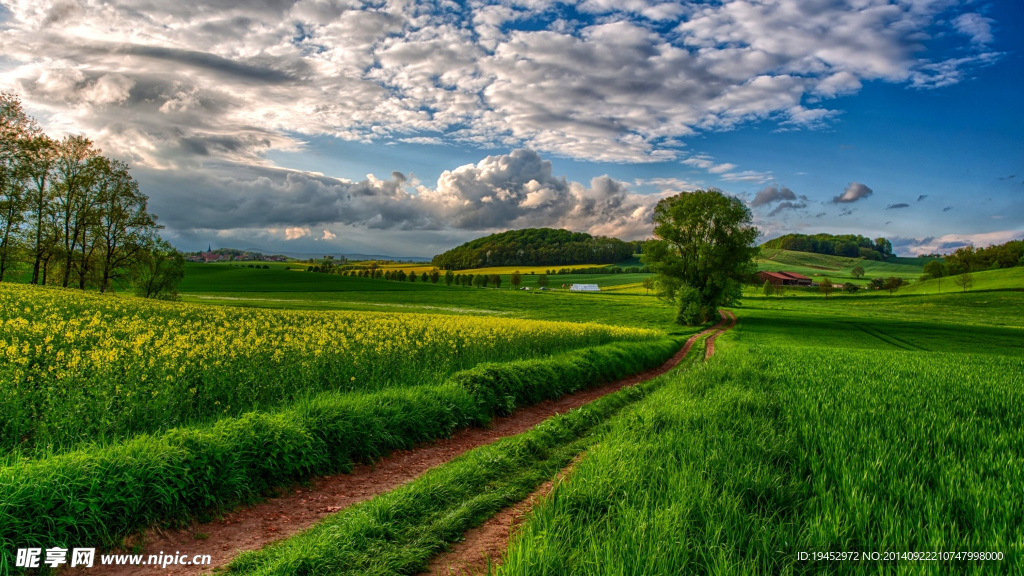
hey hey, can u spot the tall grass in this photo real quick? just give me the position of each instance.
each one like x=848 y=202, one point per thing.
x=398 y=532
x=772 y=450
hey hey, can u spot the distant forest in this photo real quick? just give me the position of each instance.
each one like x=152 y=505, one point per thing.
x=970 y=259
x=536 y=247
x=853 y=246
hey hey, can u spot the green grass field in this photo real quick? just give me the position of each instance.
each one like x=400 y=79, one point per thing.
x=1005 y=279
x=245 y=287
x=838 y=268
x=815 y=429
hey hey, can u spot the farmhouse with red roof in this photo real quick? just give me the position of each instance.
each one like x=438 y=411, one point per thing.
x=784 y=278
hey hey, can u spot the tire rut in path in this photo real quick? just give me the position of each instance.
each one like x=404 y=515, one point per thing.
x=301 y=507
x=484 y=546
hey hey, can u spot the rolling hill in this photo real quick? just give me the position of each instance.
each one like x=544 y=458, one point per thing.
x=838 y=267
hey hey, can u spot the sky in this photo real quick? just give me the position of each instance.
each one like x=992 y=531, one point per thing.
x=407 y=127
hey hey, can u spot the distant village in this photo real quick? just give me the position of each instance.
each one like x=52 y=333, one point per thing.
x=232 y=255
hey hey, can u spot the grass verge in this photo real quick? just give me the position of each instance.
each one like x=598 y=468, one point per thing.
x=398 y=532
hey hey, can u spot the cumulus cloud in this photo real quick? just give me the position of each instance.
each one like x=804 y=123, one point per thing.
x=168 y=82
x=854 y=191
x=897 y=206
x=499 y=192
x=519 y=189
x=202 y=98
x=295 y=232
x=773 y=193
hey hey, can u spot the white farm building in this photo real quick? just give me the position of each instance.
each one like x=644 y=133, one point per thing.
x=584 y=288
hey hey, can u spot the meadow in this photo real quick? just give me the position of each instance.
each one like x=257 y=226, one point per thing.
x=839 y=269
x=985 y=280
x=244 y=287
x=814 y=429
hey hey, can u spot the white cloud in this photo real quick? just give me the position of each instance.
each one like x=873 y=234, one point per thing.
x=295 y=232
x=674 y=185
x=500 y=192
x=431 y=140
x=948 y=243
x=976 y=26
x=108 y=89
x=748 y=176
x=189 y=83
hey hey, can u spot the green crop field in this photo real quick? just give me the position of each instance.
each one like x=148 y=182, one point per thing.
x=818 y=428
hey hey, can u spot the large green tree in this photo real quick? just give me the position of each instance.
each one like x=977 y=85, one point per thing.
x=703 y=250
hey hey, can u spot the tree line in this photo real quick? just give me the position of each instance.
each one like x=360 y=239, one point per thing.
x=449 y=277
x=969 y=259
x=73 y=217
x=849 y=245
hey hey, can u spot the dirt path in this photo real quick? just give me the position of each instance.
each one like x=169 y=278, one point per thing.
x=301 y=507
x=484 y=546
x=709 y=350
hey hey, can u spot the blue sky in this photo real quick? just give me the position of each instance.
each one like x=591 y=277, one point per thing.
x=407 y=127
